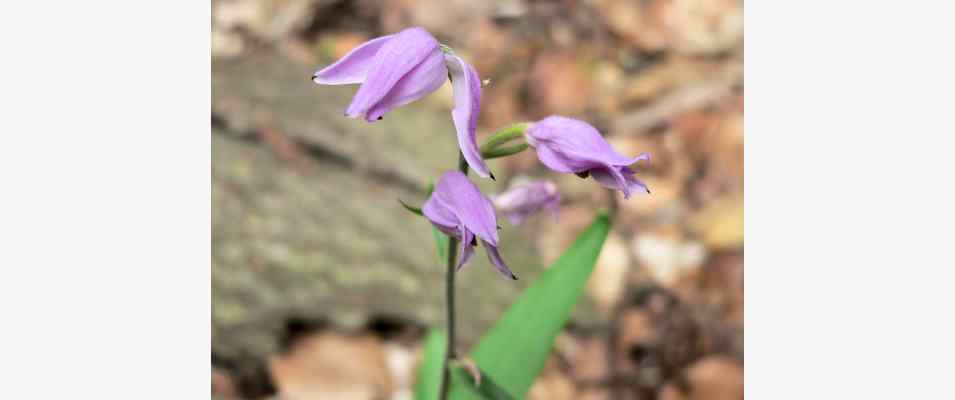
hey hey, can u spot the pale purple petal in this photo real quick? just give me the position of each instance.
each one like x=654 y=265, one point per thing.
x=611 y=178
x=467 y=248
x=421 y=81
x=497 y=261
x=468 y=204
x=398 y=56
x=467 y=103
x=516 y=217
x=523 y=200
x=457 y=204
x=439 y=215
x=620 y=178
x=353 y=67
x=641 y=157
x=571 y=145
x=556 y=161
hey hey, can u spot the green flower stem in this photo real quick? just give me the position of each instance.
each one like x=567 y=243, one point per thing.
x=504 y=135
x=504 y=151
x=449 y=353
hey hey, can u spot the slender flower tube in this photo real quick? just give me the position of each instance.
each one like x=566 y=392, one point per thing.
x=523 y=200
x=460 y=210
x=398 y=69
x=573 y=146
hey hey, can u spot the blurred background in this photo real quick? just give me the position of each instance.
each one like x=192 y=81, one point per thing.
x=323 y=286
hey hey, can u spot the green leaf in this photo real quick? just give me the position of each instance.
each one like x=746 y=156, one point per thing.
x=429 y=374
x=513 y=352
x=411 y=208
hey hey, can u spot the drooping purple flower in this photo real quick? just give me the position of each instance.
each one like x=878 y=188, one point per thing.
x=573 y=146
x=460 y=210
x=398 y=69
x=523 y=200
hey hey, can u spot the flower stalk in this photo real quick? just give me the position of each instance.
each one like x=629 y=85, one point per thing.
x=504 y=135
x=504 y=151
x=449 y=352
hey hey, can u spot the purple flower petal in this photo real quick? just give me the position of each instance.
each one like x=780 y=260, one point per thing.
x=467 y=248
x=441 y=216
x=467 y=103
x=555 y=160
x=518 y=216
x=459 y=209
x=572 y=145
x=396 y=58
x=421 y=81
x=521 y=201
x=619 y=178
x=468 y=204
x=353 y=67
x=497 y=261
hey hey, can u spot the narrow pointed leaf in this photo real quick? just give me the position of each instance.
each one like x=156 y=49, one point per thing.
x=411 y=208
x=429 y=374
x=513 y=352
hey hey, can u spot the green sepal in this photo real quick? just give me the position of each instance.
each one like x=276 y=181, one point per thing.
x=504 y=151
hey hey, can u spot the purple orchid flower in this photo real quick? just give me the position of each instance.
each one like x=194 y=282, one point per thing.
x=460 y=210
x=573 y=146
x=523 y=200
x=398 y=69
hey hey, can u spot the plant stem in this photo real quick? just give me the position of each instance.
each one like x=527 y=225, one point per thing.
x=449 y=308
x=504 y=151
x=449 y=353
x=504 y=135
